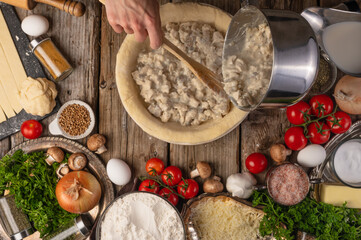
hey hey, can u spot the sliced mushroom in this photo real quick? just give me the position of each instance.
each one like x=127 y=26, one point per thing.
x=97 y=143
x=77 y=161
x=213 y=185
x=54 y=154
x=203 y=170
x=62 y=170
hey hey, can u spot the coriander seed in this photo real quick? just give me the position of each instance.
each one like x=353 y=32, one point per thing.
x=74 y=119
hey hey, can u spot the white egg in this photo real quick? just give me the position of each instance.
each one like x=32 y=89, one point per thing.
x=35 y=25
x=118 y=171
x=311 y=156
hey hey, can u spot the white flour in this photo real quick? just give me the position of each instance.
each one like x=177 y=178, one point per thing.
x=140 y=216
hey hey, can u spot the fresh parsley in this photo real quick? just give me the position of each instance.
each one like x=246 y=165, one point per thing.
x=33 y=183
x=322 y=220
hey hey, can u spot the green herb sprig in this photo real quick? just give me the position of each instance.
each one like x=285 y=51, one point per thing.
x=322 y=220
x=33 y=183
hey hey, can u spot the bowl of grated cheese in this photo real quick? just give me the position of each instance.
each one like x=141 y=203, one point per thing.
x=140 y=216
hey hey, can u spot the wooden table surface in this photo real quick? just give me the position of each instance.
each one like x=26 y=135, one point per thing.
x=91 y=46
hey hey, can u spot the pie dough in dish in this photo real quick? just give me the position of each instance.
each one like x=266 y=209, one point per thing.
x=134 y=103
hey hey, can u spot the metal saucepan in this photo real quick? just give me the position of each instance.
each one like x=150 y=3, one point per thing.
x=295 y=53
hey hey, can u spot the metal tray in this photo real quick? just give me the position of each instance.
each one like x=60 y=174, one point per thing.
x=95 y=166
x=324 y=171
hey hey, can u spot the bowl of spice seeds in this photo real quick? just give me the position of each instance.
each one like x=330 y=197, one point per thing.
x=74 y=120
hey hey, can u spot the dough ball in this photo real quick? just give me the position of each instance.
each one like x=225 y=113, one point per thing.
x=37 y=96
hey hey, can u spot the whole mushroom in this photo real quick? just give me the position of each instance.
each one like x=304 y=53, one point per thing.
x=54 y=154
x=279 y=152
x=203 y=170
x=62 y=170
x=77 y=161
x=96 y=143
x=213 y=185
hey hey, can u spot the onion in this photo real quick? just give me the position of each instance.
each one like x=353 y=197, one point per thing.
x=78 y=192
x=348 y=94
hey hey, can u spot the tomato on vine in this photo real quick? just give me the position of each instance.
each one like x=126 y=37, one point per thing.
x=154 y=166
x=295 y=138
x=299 y=113
x=318 y=132
x=321 y=105
x=169 y=195
x=171 y=176
x=340 y=122
x=149 y=185
x=188 y=188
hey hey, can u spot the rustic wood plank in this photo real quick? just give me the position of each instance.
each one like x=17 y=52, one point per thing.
x=222 y=154
x=260 y=131
x=4 y=146
x=230 y=6
x=125 y=139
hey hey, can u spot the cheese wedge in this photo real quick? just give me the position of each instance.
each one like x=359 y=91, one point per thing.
x=339 y=194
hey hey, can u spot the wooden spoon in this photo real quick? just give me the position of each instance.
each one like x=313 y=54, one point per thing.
x=212 y=80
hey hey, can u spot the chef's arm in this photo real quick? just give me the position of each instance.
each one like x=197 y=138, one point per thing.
x=140 y=17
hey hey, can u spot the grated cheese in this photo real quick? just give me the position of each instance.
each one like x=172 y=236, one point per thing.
x=220 y=218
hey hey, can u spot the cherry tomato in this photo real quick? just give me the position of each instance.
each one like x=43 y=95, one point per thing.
x=318 y=132
x=295 y=139
x=171 y=176
x=296 y=113
x=188 y=188
x=256 y=163
x=340 y=123
x=149 y=185
x=321 y=105
x=168 y=194
x=31 y=129
x=154 y=166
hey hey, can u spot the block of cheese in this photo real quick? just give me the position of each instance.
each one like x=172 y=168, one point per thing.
x=339 y=194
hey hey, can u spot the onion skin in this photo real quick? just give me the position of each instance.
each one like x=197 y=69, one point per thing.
x=348 y=94
x=88 y=197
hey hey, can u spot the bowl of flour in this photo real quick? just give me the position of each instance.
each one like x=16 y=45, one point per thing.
x=140 y=216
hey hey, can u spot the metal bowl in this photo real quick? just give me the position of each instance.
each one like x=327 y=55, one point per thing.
x=99 y=226
x=295 y=53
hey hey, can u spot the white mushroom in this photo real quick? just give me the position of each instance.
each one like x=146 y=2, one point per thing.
x=54 y=154
x=62 y=170
x=203 y=170
x=77 y=161
x=96 y=143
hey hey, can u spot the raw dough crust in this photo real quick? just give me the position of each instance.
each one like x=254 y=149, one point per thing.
x=12 y=73
x=134 y=104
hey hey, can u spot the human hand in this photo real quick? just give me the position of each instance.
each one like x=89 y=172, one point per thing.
x=140 y=17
